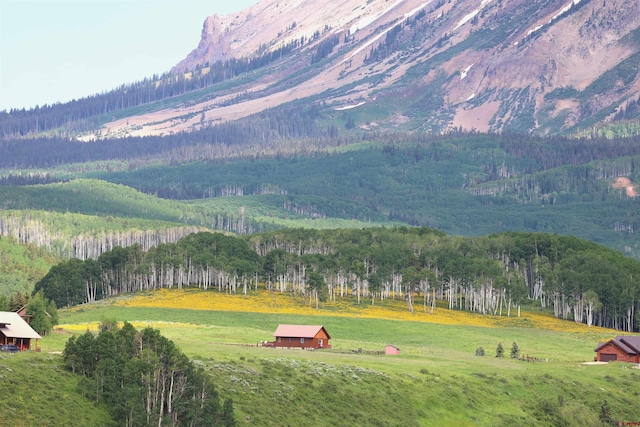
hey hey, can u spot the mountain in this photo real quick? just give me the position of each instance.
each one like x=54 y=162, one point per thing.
x=318 y=115
x=545 y=66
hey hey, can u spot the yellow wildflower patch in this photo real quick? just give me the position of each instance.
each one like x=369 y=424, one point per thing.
x=138 y=324
x=263 y=301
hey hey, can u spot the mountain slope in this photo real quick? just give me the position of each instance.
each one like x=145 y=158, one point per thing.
x=544 y=66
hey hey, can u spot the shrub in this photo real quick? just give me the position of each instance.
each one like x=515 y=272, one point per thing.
x=480 y=351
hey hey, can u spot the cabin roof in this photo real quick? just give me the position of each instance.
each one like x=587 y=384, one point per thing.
x=14 y=326
x=299 y=331
x=628 y=344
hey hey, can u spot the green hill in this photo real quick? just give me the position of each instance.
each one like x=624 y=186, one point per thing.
x=38 y=391
x=22 y=266
x=436 y=380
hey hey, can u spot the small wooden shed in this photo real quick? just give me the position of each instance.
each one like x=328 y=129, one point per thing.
x=14 y=330
x=391 y=349
x=621 y=349
x=301 y=336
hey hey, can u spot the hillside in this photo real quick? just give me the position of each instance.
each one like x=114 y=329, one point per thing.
x=364 y=120
x=406 y=172
x=544 y=66
x=22 y=266
x=425 y=65
x=436 y=379
x=464 y=184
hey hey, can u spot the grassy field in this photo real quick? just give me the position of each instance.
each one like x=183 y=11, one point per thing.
x=436 y=380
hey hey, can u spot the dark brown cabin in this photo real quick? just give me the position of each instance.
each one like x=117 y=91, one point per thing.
x=301 y=336
x=620 y=349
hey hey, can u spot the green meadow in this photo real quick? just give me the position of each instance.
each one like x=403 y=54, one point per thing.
x=437 y=380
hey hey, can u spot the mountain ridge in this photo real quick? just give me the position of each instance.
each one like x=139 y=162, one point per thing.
x=543 y=67
x=463 y=65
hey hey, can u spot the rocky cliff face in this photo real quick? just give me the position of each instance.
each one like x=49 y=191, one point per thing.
x=542 y=66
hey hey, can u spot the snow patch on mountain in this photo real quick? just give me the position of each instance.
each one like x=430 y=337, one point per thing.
x=472 y=15
x=349 y=107
x=464 y=72
x=561 y=12
x=383 y=33
x=368 y=20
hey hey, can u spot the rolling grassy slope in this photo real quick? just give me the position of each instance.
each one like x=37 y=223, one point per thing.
x=436 y=380
x=37 y=390
x=101 y=201
x=469 y=185
x=21 y=266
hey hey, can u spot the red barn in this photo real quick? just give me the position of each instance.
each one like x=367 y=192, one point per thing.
x=301 y=336
x=621 y=349
x=14 y=330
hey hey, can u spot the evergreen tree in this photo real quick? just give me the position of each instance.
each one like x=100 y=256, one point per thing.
x=605 y=413
x=18 y=300
x=479 y=351
x=41 y=321
x=499 y=350
x=515 y=351
x=228 y=419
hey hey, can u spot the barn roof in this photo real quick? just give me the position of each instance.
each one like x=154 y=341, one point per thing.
x=299 y=331
x=13 y=326
x=628 y=344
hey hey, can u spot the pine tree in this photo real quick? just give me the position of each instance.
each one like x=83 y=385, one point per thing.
x=41 y=321
x=479 y=351
x=228 y=419
x=515 y=351
x=605 y=413
x=500 y=350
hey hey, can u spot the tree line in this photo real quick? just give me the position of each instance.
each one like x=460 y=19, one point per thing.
x=51 y=235
x=261 y=134
x=492 y=275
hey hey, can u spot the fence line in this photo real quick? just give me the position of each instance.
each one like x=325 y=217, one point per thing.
x=527 y=358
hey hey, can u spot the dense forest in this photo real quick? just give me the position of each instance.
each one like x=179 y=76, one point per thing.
x=258 y=136
x=492 y=275
x=461 y=183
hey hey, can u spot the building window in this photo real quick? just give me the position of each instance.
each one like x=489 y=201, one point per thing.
x=301 y=340
x=279 y=339
x=320 y=342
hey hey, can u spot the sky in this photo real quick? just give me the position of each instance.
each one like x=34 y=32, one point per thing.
x=55 y=51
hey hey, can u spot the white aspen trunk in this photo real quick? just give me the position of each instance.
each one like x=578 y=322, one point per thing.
x=589 y=312
x=578 y=309
x=452 y=293
x=433 y=303
x=169 y=399
x=425 y=297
